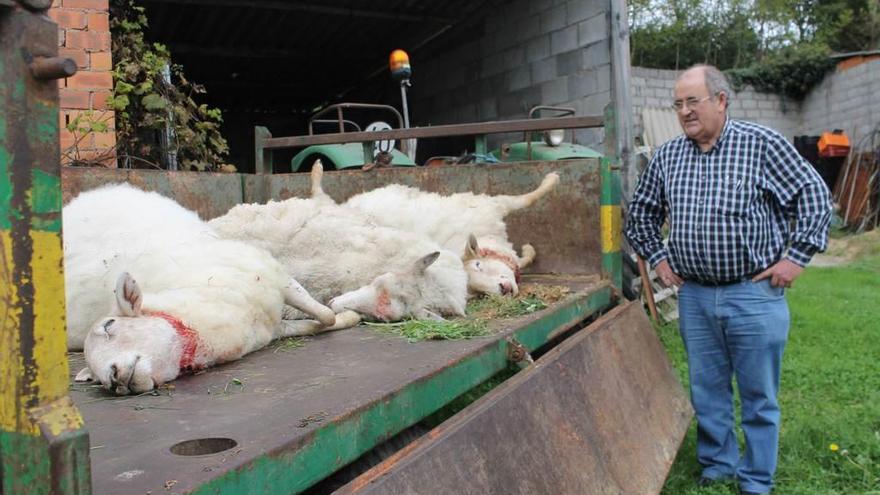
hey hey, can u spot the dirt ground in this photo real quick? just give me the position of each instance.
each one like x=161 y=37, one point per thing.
x=845 y=249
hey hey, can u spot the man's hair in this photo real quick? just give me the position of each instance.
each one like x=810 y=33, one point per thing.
x=716 y=81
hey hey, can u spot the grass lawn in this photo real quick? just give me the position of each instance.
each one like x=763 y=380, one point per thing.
x=830 y=392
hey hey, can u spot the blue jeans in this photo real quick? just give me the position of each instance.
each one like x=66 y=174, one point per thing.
x=735 y=330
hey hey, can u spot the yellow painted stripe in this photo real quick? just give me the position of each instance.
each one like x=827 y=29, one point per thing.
x=50 y=325
x=10 y=359
x=611 y=228
x=50 y=341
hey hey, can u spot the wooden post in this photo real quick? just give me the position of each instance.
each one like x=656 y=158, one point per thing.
x=646 y=288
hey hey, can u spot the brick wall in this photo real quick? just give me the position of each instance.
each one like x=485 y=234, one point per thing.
x=530 y=52
x=848 y=99
x=84 y=36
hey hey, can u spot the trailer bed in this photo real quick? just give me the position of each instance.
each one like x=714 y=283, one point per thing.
x=297 y=414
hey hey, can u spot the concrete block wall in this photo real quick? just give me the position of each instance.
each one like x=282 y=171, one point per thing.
x=531 y=52
x=84 y=36
x=653 y=88
x=848 y=99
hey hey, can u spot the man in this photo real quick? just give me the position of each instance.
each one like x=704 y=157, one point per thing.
x=746 y=213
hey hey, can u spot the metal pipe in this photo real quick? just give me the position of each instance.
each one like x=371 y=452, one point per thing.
x=439 y=131
x=406 y=143
x=50 y=68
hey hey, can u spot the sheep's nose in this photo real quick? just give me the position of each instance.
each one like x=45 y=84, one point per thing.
x=506 y=288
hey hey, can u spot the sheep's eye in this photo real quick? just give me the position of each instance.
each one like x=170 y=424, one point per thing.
x=107 y=325
x=478 y=266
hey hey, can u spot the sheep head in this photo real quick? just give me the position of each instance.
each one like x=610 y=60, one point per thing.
x=392 y=296
x=132 y=351
x=489 y=272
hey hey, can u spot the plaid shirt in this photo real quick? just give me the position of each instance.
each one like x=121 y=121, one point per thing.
x=730 y=209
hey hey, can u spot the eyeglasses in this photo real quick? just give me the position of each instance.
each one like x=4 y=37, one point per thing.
x=691 y=103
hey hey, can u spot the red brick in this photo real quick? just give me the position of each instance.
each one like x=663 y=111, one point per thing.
x=66 y=141
x=93 y=42
x=69 y=18
x=74 y=98
x=99 y=100
x=87 y=4
x=99 y=21
x=90 y=80
x=78 y=55
x=100 y=61
x=105 y=139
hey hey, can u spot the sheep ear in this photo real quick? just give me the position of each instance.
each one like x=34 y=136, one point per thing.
x=471 y=249
x=128 y=295
x=84 y=375
x=427 y=314
x=425 y=261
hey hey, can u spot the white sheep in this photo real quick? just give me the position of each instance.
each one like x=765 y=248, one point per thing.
x=349 y=262
x=471 y=225
x=205 y=300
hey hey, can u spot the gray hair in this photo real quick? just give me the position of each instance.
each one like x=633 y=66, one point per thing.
x=716 y=81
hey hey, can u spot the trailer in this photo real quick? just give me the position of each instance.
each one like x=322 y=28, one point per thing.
x=594 y=408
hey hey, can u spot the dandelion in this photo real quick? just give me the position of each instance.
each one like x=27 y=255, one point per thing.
x=834 y=447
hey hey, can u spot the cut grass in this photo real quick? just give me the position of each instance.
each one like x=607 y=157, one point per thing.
x=479 y=312
x=418 y=330
x=830 y=391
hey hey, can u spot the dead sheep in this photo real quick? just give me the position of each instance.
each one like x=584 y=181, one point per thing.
x=472 y=225
x=349 y=262
x=199 y=300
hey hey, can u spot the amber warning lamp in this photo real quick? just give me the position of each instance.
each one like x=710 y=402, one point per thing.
x=398 y=62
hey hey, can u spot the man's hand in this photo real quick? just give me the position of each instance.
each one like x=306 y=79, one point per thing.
x=667 y=276
x=781 y=274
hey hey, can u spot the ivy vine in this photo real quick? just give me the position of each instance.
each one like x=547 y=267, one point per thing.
x=792 y=71
x=147 y=106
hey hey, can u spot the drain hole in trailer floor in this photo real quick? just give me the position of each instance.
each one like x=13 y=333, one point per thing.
x=203 y=446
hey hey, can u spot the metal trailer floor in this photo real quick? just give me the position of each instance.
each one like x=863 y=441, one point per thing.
x=297 y=415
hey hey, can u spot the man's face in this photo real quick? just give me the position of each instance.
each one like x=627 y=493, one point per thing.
x=701 y=115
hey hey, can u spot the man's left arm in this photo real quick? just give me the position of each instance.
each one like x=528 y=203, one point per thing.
x=799 y=189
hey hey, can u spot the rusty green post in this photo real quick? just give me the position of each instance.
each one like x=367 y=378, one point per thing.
x=44 y=447
x=611 y=219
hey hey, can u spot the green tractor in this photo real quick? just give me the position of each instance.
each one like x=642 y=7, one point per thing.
x=350 y=155
x=550 y=145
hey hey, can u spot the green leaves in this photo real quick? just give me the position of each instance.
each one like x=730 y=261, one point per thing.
x=146 y=104
x=153 y=102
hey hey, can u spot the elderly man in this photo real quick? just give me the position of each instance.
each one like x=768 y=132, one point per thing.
x=746 y=213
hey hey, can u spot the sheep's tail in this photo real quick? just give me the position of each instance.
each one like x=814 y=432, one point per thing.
x=296 y=295
x=512 y=203
x=299 y=328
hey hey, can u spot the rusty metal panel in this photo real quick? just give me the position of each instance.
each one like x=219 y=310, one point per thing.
x=563 y=227
x=602 y=413
x=208 y=194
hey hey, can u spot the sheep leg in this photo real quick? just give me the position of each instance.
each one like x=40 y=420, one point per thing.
x=512 y=203
x=528 y=256
x=297 y=296
x=317 y=176
x=299 y=328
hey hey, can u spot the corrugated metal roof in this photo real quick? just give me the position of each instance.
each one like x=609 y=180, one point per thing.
x=660 y=125
x=289 y=56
